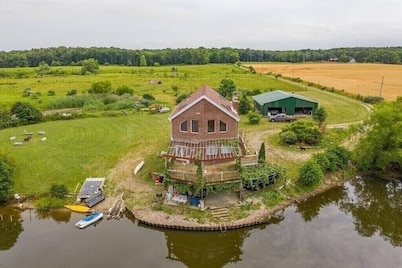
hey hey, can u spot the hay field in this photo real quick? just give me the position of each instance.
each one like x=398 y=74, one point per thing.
x=357 y=78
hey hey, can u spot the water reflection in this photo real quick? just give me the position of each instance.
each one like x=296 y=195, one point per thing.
x=355 y=225
x=206 y=249
x=310 y=208
x=60 y=216
x=376 y=207
x=10 y=226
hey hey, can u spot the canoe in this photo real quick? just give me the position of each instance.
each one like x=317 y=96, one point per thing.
x=79 y=208
x=138 y=167
x=88 y=220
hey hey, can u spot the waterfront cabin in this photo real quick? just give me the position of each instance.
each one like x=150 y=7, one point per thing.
x=205 y=142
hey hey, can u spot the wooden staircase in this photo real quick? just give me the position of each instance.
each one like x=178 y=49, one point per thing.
x=221 y=213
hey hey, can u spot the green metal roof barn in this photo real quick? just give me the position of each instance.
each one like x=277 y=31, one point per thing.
x=279 y=101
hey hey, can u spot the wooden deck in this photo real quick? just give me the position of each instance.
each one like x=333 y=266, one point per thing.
x=204 y=150
x=212 y=174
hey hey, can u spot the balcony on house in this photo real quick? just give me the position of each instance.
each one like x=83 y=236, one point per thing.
x=185 y=172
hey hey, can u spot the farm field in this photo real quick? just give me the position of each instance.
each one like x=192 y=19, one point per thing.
x=356 y=78
x=186 y=78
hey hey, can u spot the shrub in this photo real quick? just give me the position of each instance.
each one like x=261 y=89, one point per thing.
x=71 y=92
x=147 y=96
x=181 y=97
x=306 y=132
x=58 y=191
x=322 y=161
x=253 y=117
x=94 y=105
x=26 y=113
x=338 y=155
x=310 y=173
x=373 y=99
x=51 y=93
x=100 y=87
x=288 y=137
x=124 y=90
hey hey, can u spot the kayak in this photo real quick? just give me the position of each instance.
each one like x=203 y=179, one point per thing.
x=79 y=208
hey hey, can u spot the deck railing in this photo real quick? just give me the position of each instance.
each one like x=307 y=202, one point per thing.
x=249 y=160
x=191 y=177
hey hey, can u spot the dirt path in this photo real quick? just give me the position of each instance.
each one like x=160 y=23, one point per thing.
x=254 y=142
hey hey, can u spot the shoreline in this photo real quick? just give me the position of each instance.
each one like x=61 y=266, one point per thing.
x=257 y=217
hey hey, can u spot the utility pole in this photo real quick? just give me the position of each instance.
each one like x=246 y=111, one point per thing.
x=382 y=83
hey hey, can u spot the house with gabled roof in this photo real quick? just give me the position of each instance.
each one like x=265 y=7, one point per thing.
x=205 y=140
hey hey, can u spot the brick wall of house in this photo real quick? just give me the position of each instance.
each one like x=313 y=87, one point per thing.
x=204 y=111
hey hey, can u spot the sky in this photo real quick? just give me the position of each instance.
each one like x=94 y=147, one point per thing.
x=158 y=24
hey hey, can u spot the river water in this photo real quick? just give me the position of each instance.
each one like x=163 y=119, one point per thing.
x=358 y=224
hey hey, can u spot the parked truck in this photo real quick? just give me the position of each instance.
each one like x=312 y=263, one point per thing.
x=282 y=118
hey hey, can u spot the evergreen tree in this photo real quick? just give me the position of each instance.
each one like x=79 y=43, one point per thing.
x=261 y=153
x=244 y=105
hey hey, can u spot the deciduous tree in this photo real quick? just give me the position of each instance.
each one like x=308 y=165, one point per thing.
x=6 y=178
x=227 y=87
x=320 y=115
x=381 y=147
x=26 y=113
x=90 y=65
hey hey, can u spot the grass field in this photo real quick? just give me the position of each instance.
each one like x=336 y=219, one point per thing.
x=77 y=149
x=91 y=147
x=363 y=79
x=186 y=78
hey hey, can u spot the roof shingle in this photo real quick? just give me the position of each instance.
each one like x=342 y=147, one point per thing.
x=209 y=94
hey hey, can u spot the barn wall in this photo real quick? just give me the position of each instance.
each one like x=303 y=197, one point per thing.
x=287 y=106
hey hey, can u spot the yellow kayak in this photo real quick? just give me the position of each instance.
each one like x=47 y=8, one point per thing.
x=79 y=208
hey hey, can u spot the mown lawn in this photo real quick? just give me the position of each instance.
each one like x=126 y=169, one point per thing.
x=77 y=149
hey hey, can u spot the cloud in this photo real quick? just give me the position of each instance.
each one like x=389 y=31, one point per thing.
x=286 y=24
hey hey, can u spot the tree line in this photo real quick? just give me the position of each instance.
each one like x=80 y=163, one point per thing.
x=67 y=56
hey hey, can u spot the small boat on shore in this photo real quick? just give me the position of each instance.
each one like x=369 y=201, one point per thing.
x=90 y=219
x=79 y=208
x=138 y=167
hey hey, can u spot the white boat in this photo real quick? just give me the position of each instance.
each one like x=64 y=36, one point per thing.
x=138 y=167
x=88 y=220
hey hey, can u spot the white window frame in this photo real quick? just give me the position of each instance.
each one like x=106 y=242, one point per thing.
x=180 y=128
x=226 y=126
x=213 y=131
x=192 y=126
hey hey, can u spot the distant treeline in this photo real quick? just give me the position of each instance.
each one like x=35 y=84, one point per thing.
x=65 y=56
